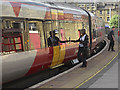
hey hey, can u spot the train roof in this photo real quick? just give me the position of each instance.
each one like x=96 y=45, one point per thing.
x=66 y=6
x=34 y=9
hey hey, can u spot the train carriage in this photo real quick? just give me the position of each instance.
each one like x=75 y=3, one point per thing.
x=97 y=30
x=25 y=29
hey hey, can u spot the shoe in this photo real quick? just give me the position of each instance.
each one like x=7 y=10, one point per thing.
x=113 y=50
x=83 y=66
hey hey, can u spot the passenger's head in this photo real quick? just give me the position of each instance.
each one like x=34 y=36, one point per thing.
x=113 y=28
x=55 y=32
x=51 y=33
x=83 y=31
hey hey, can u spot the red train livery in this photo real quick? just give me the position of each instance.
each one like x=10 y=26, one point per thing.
x=25 y=29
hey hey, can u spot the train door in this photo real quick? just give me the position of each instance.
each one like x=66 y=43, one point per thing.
x=34 y=35
x=0 y=36
x=71 y=32
x=53 y=50
x=62 y=45
x=58 y=50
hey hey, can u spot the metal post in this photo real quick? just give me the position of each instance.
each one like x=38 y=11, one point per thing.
x=110 y=13
x=118 y=16
x=0 y=29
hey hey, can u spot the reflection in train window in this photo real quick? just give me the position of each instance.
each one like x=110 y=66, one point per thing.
x=7 y=24
x=32 y=27
x=50 y=26
x=94 y=33
x=69 y=29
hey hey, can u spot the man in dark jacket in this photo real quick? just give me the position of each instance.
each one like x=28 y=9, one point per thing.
x=54 y=40
x=83 y=46
x=111 y=35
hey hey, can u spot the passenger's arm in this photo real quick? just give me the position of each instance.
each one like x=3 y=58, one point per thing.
x=63 y=41
x=113 y=37
x=75 y=40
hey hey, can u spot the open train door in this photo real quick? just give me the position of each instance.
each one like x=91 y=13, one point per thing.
x=62 y=47
x=58 y=51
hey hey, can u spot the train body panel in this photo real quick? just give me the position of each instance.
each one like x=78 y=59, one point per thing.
x=30 y=62
x=25 y=49
x=17 y=65
x=70 y=52
x=21 y=10
x=42 y=60
x=97 y=29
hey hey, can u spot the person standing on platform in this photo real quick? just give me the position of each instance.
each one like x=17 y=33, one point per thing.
x=111 y=38
x=83 y=47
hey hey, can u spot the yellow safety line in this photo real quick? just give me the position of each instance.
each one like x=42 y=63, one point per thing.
x=57 y=66
x=96 y=72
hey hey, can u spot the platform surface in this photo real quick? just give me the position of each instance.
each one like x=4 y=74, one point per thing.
x=102 y=72
x=109 y=79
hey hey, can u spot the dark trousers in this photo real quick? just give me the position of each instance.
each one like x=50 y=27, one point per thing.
x=82 y=54
x=111 y=45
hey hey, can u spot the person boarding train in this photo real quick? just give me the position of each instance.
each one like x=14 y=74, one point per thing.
x=83 y=46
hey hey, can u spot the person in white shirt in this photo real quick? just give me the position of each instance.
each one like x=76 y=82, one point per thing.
x=83 y=46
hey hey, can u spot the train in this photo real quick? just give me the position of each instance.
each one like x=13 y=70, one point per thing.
x=25 y=28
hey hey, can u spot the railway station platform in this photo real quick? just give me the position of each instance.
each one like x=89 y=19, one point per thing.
x=102 y=72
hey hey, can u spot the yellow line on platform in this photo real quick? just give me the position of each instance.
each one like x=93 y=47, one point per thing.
x=96 y=72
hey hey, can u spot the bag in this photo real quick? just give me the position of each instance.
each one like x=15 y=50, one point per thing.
x=108 y=36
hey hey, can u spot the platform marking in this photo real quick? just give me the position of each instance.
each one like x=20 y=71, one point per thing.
x=97 y=71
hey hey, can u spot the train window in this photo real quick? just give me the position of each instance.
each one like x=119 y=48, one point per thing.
x=7 y=24
x=32 y=27
x=100 y=11
x=108 y=12
x=55 y=26
x=0 y=36
x=69 y=29
x=93 y=8
x=62 y=34
x=94 y=33
x=12 y=36
x=36 y=35
x=108 y=18
x=46 y=28
x=50 y=26
x=16 y=25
